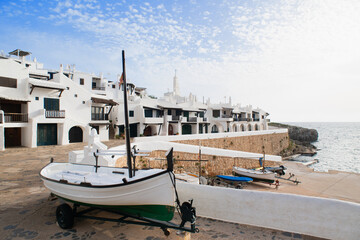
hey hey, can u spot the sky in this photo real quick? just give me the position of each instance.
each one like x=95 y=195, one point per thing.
x=297 y=60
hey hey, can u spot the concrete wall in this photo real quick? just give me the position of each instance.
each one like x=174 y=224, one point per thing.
x=319 y=217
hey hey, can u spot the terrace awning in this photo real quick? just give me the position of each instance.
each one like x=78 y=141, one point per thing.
x=103 y=100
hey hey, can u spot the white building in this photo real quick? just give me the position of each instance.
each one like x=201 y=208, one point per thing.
x=48 y=107
x=43 y=107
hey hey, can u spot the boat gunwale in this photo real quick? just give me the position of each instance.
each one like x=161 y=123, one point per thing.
x=101 y=186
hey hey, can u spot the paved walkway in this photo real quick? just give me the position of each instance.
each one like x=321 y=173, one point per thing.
x=26 y=213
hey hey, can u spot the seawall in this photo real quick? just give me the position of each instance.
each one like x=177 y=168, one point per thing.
x=220 y=151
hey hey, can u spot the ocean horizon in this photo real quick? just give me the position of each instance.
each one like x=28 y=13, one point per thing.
x=338 y=144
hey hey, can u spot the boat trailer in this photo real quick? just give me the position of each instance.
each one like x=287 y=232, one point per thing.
x=289 y=178
x=65 y=216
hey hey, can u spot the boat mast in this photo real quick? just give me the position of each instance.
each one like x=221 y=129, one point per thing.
x=126 y=112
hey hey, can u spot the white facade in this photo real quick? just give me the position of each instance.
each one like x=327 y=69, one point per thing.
x=43 y=107
x=55 y=102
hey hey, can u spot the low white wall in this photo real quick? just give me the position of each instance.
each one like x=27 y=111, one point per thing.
x=319 y=217
x=179 y=147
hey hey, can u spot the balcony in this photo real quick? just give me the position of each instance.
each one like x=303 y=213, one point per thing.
x=99 y=88
x=176 y=118
x=153 y=120
x=14 y=117
x=54 y=113
x=193 y=119
x=99 y=117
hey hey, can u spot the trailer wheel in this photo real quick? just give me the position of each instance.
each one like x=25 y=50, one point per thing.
x=166 y=231
x=65 y=216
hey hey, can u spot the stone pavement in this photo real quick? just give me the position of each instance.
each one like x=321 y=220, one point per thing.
x=26 y=213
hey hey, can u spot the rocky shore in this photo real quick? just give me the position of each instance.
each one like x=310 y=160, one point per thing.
x=300 y=140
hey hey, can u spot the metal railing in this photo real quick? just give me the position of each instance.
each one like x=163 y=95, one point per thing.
x=176 y=118
x=99 y=117
x=15 y=117
x=55 y=113
x=192 y=119
x=99 y=88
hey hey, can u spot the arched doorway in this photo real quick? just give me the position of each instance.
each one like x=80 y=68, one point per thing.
x=171 y=130
x=235 y=128
x=186 y=129
x=147 y=131
x=75 y=134
x=249 y=127
x=214 y=129
x=242 y=127
x=257 y=127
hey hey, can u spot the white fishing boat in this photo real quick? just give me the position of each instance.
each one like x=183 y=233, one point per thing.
x=256 y=175
x=150 y=193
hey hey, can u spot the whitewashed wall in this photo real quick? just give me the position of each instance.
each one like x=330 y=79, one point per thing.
x=319 y=217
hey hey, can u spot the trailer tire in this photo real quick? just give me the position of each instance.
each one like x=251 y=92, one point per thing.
x=64 y=216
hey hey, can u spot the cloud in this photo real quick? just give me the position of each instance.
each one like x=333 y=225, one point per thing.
x=276 y=55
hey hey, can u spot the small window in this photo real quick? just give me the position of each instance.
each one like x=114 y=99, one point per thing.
x=83 y=102
x=75 y=95
x=8 y=82
x=148 y=113
x=131 y=113
x=216 y=113
x=37 y=98
x=169 y=112
x=113 y=86
x=81 y=81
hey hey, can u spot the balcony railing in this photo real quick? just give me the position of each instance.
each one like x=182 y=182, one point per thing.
x=99 y=117
x=15 y=117
x=176 y=118
x=99 y=88
x=226 y=116
x=256 y=119
x=193 y=119
x=55 y=113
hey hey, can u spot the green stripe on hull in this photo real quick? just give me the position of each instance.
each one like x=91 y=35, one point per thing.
x=159 y=212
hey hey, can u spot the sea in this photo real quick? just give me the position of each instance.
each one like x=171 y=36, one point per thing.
x=338 y=144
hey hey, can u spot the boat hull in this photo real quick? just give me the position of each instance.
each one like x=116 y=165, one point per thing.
x=268 y=177
x=152 y=196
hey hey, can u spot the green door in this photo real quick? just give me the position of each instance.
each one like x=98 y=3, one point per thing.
x=186 y=129
x=133 y=130
x=46 y=134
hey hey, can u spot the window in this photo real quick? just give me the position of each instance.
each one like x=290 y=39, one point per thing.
x=169 y=112
x=201 y=114
x=148 y=113
x=51 y=104
x=131 y=113
x=97 y=113
x=81 y=81
x=178 y=112
x=75 y=95
x=8 y=82
x=93 y=85
x=37 y=98
x=216 y=113
x=113 y=86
